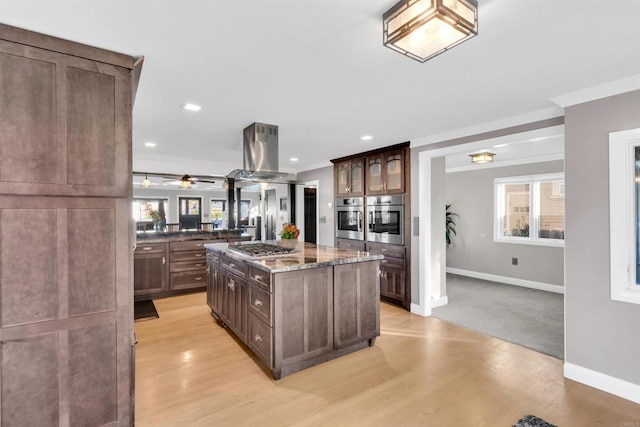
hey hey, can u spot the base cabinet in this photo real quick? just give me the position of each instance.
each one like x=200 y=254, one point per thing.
x=297 y=319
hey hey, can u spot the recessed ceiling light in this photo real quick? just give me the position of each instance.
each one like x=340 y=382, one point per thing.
x=366 y=138
x=500 y=145
x=191 y=107
x=293 y=159
x=150 y=144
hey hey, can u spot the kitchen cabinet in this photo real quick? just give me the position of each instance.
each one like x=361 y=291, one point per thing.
x=150 y=269
x=385 y=173
x=393 y=283
x=349 y=177
x=235 y=301
x=66 y=258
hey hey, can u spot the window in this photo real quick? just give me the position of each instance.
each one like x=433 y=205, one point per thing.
x=530 y=209
x=624 y=215
x=143 y=209
x=218 y=208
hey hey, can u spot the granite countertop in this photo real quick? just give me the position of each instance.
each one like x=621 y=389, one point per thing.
x=182 y=236
x=304 y=256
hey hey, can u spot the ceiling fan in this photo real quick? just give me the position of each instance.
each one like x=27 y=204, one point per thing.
x=183 y=181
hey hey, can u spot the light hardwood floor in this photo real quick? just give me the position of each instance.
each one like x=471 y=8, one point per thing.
x=421 y=371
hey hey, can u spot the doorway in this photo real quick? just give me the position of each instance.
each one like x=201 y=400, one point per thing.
x=270 y=214
x=189 y=213
x=310 y=207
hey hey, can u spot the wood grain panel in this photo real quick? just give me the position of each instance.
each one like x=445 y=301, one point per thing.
x=318 y=310
x=28 y=265
x=27 y=120
x=293 y=324
x=30 y=381
x=92 y=375
x=92 y=275
x=91 y=128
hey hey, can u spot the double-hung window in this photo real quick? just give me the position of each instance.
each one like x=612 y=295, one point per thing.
x=530 y=209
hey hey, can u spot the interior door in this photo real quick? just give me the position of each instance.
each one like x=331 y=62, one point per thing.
x=270 y=214
x=189 y=213
x=310 y=215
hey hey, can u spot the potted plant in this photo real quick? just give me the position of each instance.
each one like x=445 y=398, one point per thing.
x=451 y=224
x=289 y=235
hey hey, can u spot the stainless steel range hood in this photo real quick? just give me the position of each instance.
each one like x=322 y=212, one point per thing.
x=260 y=157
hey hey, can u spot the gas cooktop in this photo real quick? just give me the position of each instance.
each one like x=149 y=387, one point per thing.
x=260 y=249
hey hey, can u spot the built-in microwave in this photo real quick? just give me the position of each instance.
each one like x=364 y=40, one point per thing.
x=385 y=219
x=350 y=218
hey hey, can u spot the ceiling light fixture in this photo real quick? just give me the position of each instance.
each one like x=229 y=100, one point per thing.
x=150 y=144
x=192 y=107
x=482 y=157
x=185 y=183
x=145 y=182
x=366 y=138
x=422 y=29
x=293 y=159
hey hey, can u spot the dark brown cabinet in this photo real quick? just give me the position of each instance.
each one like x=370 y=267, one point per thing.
x=66 y=258
x=385 y=173
x=150 y=273
x=349 y=177
x=235 y=301
x=392 y=270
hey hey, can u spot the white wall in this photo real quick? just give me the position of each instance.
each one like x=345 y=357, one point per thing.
x=324 y=196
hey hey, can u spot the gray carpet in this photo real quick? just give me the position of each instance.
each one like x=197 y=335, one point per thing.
x=528 y=317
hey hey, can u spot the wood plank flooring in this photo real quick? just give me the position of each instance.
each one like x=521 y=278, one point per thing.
x=421 y=371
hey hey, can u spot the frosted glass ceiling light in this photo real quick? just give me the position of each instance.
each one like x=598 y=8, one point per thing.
x=422 y=29
x=482 y=157
x=145 y=182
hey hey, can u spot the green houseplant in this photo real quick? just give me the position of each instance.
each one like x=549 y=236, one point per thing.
x=451 y=224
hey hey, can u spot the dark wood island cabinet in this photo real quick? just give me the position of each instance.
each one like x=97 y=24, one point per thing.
x=295 y=311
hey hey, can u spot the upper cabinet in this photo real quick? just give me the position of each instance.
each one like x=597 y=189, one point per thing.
x=349 y=177
x=65 y=123
x=385 y=172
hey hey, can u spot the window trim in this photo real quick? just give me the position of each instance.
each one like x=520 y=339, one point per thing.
x=534 y=209
x=622 y=208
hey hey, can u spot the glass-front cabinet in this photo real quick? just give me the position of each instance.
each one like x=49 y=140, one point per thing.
x=385 y=173
x=350 y=178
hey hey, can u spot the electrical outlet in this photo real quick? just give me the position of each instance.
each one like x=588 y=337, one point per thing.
x=514 y=261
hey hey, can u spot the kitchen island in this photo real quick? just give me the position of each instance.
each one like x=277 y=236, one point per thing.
x=295 y=310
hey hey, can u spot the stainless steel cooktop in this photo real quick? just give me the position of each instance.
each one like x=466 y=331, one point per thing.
x=260 y=249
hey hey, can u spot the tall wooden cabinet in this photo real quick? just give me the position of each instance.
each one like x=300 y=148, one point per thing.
x=349 y=177
x=66 y=258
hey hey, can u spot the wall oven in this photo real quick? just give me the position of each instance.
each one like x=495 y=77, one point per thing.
x=350 y=218
x=385 y=219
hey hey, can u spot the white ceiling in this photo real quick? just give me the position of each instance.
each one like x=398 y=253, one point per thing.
x=317 y=68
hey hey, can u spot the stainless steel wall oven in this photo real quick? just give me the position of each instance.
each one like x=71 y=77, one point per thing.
x=350 y=218
x=385 y=219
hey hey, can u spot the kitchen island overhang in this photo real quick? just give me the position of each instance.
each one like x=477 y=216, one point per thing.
x=299 y=309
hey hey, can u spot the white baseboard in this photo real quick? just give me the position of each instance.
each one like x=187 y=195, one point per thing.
x=440 y=302
x=420 y=310
x=508 y=280
x=615 y=386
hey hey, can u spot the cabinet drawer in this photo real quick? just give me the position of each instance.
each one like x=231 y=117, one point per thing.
x=150 y=248
x=188 y=266
x=259 y=277
x=259 y=339
x=237 y=267
x=192 y=244
x=195 y=255
x=188 y=280
x=355 y=245
x=392 y=262
x=385 y=249
x=260 y=304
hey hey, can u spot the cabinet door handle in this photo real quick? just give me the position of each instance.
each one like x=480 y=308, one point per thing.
x=257 y=303
x=257 y=338
x=384 y=250
x=232 y=265
x=198 y=279
x=383 y=261
x=258 y=277
x=147 y=248
x=199 y=255
x=164 y=261
x=198 y=265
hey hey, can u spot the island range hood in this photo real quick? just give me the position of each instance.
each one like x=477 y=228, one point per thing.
x=260 y=157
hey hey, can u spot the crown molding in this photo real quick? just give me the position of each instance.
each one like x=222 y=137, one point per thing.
x=615 y=87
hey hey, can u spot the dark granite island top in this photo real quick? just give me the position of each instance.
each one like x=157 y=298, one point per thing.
x=304 y=256
x=299 y=309
x=183 y=236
